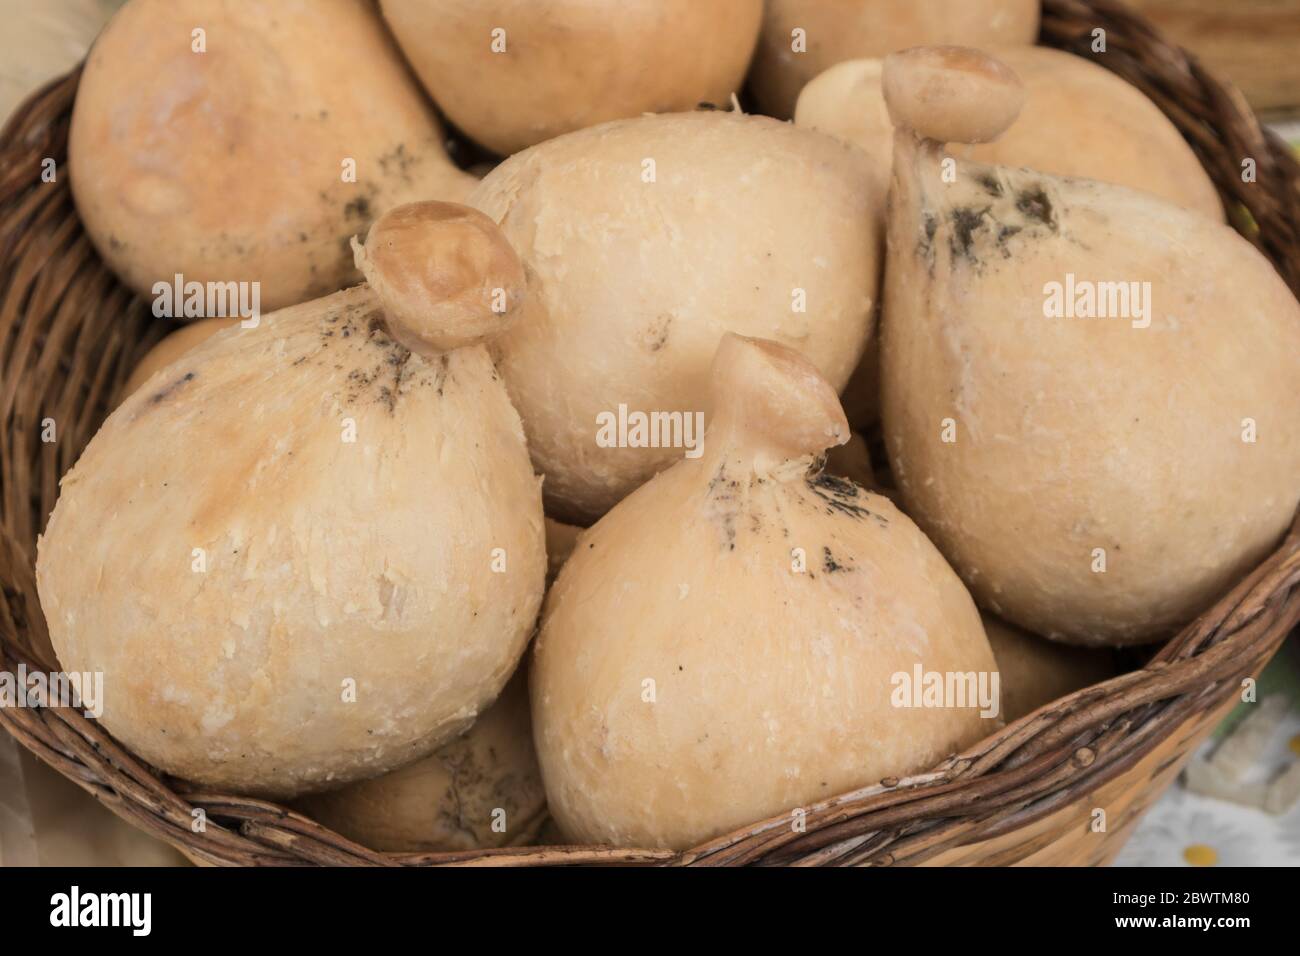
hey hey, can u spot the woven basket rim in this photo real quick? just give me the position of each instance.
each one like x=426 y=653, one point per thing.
x=1033 y=767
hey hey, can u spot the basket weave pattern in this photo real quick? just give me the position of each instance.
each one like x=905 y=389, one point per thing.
x=70 y=334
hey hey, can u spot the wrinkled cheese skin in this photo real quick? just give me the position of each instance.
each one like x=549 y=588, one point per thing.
x=771 y=688
x=749 y=225
x=276 y=608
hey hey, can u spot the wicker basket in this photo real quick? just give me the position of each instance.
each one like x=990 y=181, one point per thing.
x=70 y=334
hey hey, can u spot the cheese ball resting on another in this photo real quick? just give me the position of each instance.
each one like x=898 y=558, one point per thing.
x=730 y=641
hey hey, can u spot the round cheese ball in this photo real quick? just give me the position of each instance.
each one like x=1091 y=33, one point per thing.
x=303 y=556
x=741 y=636
x=644 y=241
x=1089 y=394
x=511 y=74
x=256 y=158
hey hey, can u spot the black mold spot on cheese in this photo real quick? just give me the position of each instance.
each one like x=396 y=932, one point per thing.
x=656 y=335
x=978 y=233
x=830 y=565
x=383 y=380
x=842 y=496
x=398 y=162
x=163 y=394
x=398 y=366
x=1034 y=204
x=1005 y=233
x=925 y=244
x=440 y=374
x=965 y=222
x=358 y=208
x=990 y=184
x=724 y=490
